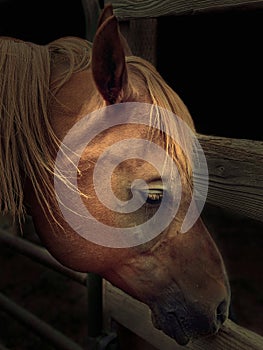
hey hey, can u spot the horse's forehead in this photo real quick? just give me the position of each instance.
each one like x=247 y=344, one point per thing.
x=113 y=135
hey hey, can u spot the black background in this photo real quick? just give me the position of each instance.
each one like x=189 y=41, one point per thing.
x=214 y=61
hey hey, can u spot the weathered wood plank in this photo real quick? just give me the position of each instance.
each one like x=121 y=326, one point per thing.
x=136 y=316
x=128 y=9
x=146 y=31
x=91 y=12
x=235 y=174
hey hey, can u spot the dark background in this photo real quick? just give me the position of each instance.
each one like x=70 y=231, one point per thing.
x=214 y=61
x=41 y=21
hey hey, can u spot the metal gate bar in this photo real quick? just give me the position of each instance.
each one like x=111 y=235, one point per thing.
x=44 y=330
x=95 y=319
x=2 y=347
x=39 y=254
x=91 y=281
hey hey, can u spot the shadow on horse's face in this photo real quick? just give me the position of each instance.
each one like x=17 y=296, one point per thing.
x=180 y=276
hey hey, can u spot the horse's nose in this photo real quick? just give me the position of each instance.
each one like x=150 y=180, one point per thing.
x=193 y=322
x=221 y=314
x=208 y=322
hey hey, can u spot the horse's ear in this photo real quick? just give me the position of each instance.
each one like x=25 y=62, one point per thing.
x=108 y=59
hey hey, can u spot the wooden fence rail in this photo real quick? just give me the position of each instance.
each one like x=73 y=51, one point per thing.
x=127 y=9
x=235 y=174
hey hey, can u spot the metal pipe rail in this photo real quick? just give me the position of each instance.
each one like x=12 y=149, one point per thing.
x=3 y=347
x=39 y=254
x=91 y=281
x=59 y=340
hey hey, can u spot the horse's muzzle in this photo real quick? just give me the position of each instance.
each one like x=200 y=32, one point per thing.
x=184 y=323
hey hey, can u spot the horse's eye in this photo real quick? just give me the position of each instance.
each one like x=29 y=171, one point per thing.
x=155 y=196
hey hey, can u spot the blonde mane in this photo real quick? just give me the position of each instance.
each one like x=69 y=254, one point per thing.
x=31 y=75
x=27 y=138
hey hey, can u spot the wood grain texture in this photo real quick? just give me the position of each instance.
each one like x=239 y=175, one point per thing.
x=136 y=316
x=146 y=30
x=127 y=9
x=235 y=174
x=91 y=12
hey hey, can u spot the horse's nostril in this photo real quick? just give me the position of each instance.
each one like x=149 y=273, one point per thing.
x=221 y=312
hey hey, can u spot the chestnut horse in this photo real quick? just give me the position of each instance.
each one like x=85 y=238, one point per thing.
x=45 y=92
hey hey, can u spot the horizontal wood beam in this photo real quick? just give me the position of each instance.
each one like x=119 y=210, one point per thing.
x=128 y=9
x=136 y=317
x=235 y=174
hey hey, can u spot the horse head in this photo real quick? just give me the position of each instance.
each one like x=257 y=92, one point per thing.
x=180 y=276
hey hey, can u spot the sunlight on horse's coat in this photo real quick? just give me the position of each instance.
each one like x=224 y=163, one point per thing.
x=44 y=91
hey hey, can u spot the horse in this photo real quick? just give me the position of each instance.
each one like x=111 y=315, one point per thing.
x=46 y=90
